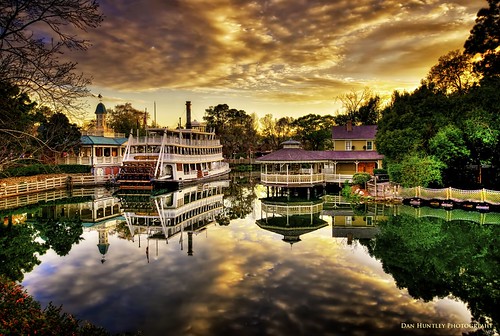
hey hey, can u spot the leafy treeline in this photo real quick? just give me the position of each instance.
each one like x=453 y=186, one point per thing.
x=243 y=135
x=31 y=131
x=447 y=131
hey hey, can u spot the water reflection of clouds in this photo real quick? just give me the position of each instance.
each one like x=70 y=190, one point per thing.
x=241 y=279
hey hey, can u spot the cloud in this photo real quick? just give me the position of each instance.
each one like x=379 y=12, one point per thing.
x=305 y=50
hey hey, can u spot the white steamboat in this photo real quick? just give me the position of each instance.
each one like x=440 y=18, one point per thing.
x=168 y=158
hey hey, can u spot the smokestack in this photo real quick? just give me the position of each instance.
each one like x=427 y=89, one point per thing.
x=349 y=126
x=188 y=115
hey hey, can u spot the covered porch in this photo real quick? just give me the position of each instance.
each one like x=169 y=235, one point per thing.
x=341 y=171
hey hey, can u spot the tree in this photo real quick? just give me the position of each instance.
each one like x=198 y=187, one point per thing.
x=369 y=112
x=18 y=117
x=484 y=40
x=33 y=36
x=352 y=101
x=453 y=73
x=449 y=146
x=235 y=128
x=124 y=118
x=19 y=250
x=270 y=140
x=417 y=169
x=314 y=131
x=60 y=234
x=436 y=258
x=59 y=135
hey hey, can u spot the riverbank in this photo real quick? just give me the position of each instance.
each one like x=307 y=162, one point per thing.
x=15 y=186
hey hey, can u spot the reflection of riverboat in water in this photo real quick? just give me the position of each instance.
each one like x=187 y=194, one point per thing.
x=168 y=158
x=188 y=210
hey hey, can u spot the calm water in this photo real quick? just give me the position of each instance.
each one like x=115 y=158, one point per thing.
x=228 y=266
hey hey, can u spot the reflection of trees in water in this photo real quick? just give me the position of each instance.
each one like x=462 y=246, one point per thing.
x=434 y=258
x=19 y=250
x=123 y=230
x=60 y=233
x=239 y=199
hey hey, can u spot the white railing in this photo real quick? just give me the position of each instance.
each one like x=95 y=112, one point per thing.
x=17 y=201
x=479 y=195
x=292 y=179
x=284 y=209
x=158 y=140
x=330 y=177
x=176 y=158
x=87 y=160
x=51 y=183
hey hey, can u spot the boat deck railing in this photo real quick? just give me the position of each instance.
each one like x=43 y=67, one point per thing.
x=158 y=140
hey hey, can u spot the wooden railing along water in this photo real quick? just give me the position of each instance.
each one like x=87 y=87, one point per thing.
x=23 y=188
x=452 y=194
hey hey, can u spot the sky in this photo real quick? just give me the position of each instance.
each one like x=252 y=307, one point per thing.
x=279 y=57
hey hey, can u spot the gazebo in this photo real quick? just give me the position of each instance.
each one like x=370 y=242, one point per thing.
x=292 y=166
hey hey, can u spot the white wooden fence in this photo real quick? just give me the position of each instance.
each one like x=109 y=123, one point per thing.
x=458 y=195
x=52 y=183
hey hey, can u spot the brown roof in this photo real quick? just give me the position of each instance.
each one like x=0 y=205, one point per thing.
x=351 y=155
x=358 y=132
x=301 y=155
x=292 y=154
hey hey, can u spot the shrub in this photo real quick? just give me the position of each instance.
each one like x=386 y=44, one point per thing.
x=361 y=178
x=22 y=315
x=37 y=169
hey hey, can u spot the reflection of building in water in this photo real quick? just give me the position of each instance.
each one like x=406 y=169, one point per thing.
x=291 y=219
x=188 y=210
x=356 y=221
x=103 y=244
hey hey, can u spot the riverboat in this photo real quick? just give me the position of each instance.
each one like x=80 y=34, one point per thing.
x=168 y=158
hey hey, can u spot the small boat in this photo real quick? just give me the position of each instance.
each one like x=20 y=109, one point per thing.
x=448 y=205
x=168 y=158
x=482 y=207
x=415 y=202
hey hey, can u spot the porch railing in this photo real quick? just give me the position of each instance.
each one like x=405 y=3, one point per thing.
x=292 y=179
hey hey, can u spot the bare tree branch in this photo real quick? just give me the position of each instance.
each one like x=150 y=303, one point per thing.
x=33 y=37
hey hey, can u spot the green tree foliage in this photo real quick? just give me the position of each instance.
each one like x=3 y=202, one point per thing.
x=361 y=179
x=456 y=130
x=18 y=250
x=17 y=120
x=484 y=40
x=274 y=131
x=59 y=135
x=124 y=118
x=434 y=258
x=33 y=36
x=60 y=234
x=368 y=113
x=314 y=131
x=452 y=74
x=235 y=127
x=417 y=169
x=448 y=145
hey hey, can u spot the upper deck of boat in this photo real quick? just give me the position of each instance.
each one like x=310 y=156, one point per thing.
x=177 y=137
